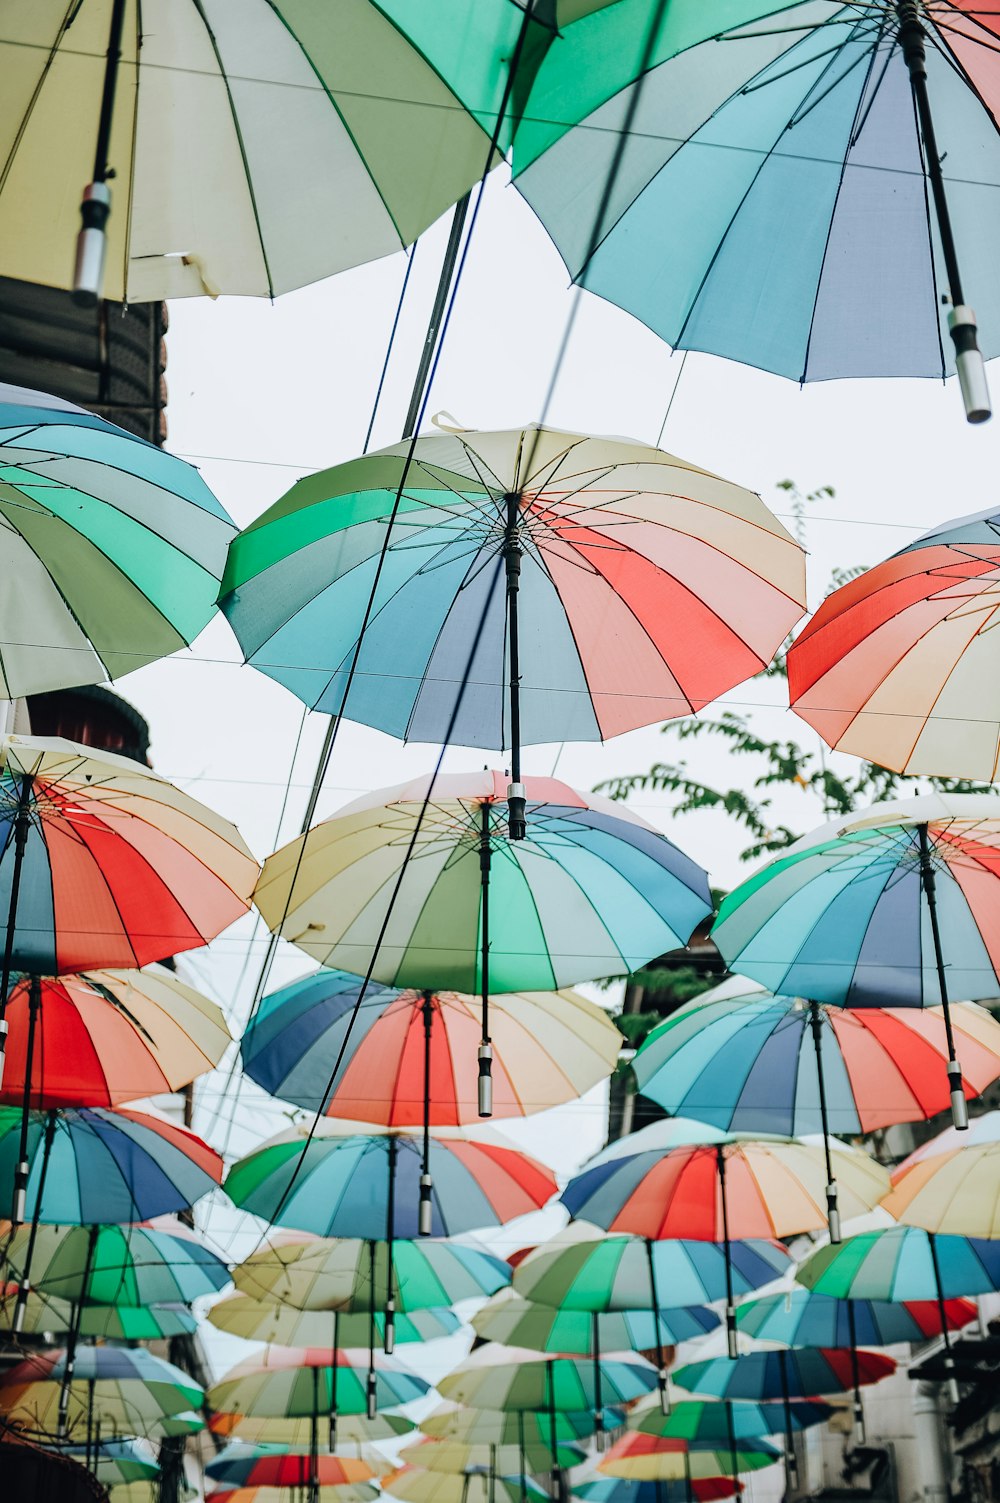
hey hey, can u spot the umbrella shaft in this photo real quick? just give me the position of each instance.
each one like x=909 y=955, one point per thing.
x=513 y=553
x=20 y=842
x=21 y=1171
x=24 y=1288
x=485 y=1047
x=832 y=1207
x=959 y=1109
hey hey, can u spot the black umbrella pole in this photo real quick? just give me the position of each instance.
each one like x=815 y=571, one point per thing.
x=859 y=1410
x=949 y=1360
x=733 y=1459
x=791 y=1463
x=522 y=1459
x=688 y=1484
x=485 y=1045
x=961 y=319
x=332 y=1435
x=21 y=823
x=425 y=1217
x=832 y=1207
x=95 y=209
x=512 y=552
x=69 y=1361
x=959 y=1106
x=734 y=1350
x=389 y=1334
x=24 y=1287
x=595 y=1341
x=21 y=1171
x=662 y=1378
x=314 y=1441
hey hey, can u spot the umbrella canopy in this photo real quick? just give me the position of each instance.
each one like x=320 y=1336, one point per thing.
x=798 y=1318
x=714 y=1423
x=120 y=1387
x=43 y=1314
x=903 y=1263
x=118 y=1265
x=283 y=1325
x=456 y=1457
x=775 y=1375
x=678 y=1178
x=747 y=1061
x=893 y=665
x=397 y=1054
x=301 y=1382
x=366 y=1187
x=416 y=1486
x=770 y=199
x=615 y=585
x=594 y=890
x=495 y=1427
x=114 y=1462
x=109 y=1036
x=951 y=1184
x=347 y=1492
x=504 y=1377
x=289 y=1470
x=297 y=1433
x=513 y=1321
x=251 y=154
x=627 y=1490
x=647 y=1458
x=95 y=1165
x=313 y=1273
x=113 y=549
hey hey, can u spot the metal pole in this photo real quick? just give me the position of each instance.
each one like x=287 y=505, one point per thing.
x=512 y=552
x=791 y=1464
x=832 y=1208
x=734 y=1465
x=720 y=1161
x=69 y=1362
x=859 y=1412
x=314 y=1441
x=688 y=1484
x=91 y=242
x=24 y=1288
x=90 y=1423
x=595 y=1342
x=390 y=1298
x=961 y=319
x=426 y=1212
x=21 y=1171
x=493 y=1473
x=662 y=1378
x=949 y=1357
x=437 y=314
x=485 y=1045
x=332 y=1432
x=522 y=1478
x=959 y=1106
x=22 y=823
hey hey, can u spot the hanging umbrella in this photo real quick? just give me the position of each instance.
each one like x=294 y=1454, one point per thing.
x=314 y=1273
x=698 y=1423
x=513 y=1321
x=771 y=198
x=289 y=1470
x=626 y=1490
x=951 y=1183
x=104 y=863
x=894 y=905
x=42 y=1315
x=113 y=548
x=106 y=1037
x=296 y=1434
x=486 y=1427
x=120 y=1388
x=800 y=1318
x=283 y=1325
x=505 y=1377
x=594 y=892
x=115 y=1462
x=539 y=586
x=415 y=1486
x=903 y=1263
x=892 y=665
x=356 y=1492
x=250 y=154
x=452 y=1457
x=647 y=1458
x=188 y=1422
x=678 y=1178
x=773 y=1375
x=746 y=1061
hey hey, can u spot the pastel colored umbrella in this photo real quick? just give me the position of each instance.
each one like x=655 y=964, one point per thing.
x=125 y=1323
x=415 y=1486
x=903 y=1263
x=314 y=1273
x=557 y=1428
x=121 y=1388
x=114 y=1462
x=354 y=1492
x=648 y=1458
x=289 y=1470
x=711 y=1423
x=352 y=1429
x=795 y=199
x=188 y=1422
x=112 y=548
x=538 y=586
x=279 y=147
x=679 y=1178
x=594 y=891
x=801 y=1318
x=508 y=1378
x=283 y=1325
x=951 y=1183
x=513 y=1321
x=746 y=1061
x=106 y=1037
x=796 y=1373
x=895 y=905
x=897 y=665
x=627 y=1490
x=457 y=1457
x=302 y=1382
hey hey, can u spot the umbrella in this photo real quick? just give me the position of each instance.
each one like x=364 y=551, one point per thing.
x=250 y=154
x=104 y=863
x=771 y=198
x=626 y=1490
x=485 y=1427
x=416 y=1486
x=894 y=905
x=288 y=1470
x=786 y=1374
x=698 y=1422
x=114 y=1462
x=800 y=1318
x=647 y=1458
x=106 y=1037
x=951 y=1184
x=746 y=1061
x=602 y=584
x=284 y=1325
x=903 y=1263
x=188 y=1422
x=595 y=891
x=892 y=665
x=678 y=1178
x=513 y=1321
x=124 y=1387
x=352 y=1429
x=454 y=1456
x=508 y=1378
x=42 y=1315
x=314 y=1273
x=113 y=548
x=346 y=1492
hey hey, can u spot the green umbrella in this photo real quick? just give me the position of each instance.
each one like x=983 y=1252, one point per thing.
x=495 y=1427
x=455 y=1456
x=113 y=549
x=284 y=1325
x=44 y=1313
x=122 y=1266
x=513 y=1321
x=114 y=1462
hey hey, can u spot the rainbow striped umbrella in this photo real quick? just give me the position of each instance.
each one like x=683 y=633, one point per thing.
x=627 y=1490
x=650 y=1458
x=903 y=1263
x=283 y=1325
x=763 y=1376
x=119 y=1387
x=800 y=1318
x=951 y=1184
